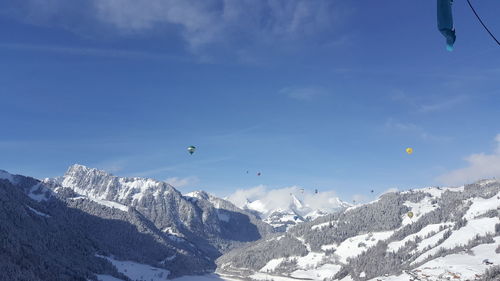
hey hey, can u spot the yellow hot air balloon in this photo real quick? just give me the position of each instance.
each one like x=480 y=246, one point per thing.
x=409 y=150
x=410 y=215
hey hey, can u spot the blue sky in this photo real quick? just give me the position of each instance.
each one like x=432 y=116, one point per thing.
x=320 y=94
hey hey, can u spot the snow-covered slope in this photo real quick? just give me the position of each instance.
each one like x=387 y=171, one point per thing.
x=44 y=239
x=136 y=220
x=198 y=220
x=455 y=233
x=138 y=271
x=6 y=176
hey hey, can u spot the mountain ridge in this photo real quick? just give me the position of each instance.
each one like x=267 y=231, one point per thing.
x=379 y=241
x=123 y=222
x=176 y=233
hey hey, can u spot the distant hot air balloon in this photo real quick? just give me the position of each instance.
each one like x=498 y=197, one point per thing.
x=191 y=149
x=372 y=191
x=410 y=214
x=258 y=174
x=409 y=150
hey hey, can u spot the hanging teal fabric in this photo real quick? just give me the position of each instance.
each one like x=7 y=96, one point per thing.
x=445 y=22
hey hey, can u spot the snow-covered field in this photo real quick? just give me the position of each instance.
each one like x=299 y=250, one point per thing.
x=272 y=264
x=351 y=247
x=102 y=277
x=310 y=260
x=209 y=277
x=265 y=276
x=396 y=245
x=402 y=277
x=138 y=271
x=480 y=206
x=421 y=208
x=463 y=235
x=324 y=271
x=429 y=242
x=462 y=266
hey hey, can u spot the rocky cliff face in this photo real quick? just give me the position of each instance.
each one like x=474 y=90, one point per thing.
x=210 y=224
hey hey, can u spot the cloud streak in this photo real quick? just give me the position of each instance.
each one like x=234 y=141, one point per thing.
x=413 y=129
x=182 y=182
x=429 y=105
x=480 y=166
x=237 y=25
x=94 y=52
x=442 y=105
x=303 y=93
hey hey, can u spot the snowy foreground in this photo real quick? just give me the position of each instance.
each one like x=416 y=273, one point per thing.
x=462 y=266
x=210 y=277
x=138 y=271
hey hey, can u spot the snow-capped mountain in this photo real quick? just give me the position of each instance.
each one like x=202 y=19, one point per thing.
x=91 y=225
x=454 y=234
x=44 y=239
x=132 y=221
x=295 y=211
x=208 y=223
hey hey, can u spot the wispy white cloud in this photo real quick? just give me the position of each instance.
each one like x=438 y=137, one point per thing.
x=240 y=196
x=203 y=22
x=303 y=93
x=239 y=24
x=94 y=52
x=480 y=166
x=154 y=171
x=230 y=135
x=414 y=130
x=182 y=182
x=360 y=198
x=442 y=105
x=112 y=166
x=180 y=166
x=390 y=190
x=428 y=104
